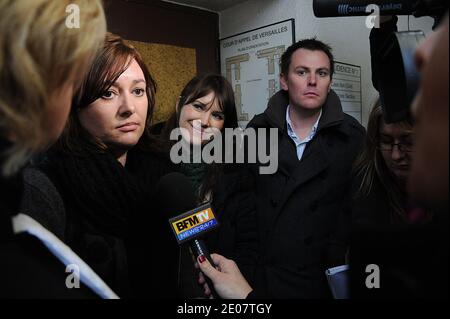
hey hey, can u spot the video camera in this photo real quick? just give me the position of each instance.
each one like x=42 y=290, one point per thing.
x=397 y=77
x=348 y=8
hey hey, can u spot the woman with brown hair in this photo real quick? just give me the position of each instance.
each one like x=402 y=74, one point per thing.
x=92 y=168
x=382 y=171
x=205 y=106
x=204 y=110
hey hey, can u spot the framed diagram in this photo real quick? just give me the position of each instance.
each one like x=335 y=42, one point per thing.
x=250 y=61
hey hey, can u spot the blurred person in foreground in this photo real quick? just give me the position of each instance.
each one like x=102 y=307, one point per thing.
x=42 y=62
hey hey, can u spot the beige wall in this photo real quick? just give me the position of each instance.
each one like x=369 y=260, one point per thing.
x=171 y=67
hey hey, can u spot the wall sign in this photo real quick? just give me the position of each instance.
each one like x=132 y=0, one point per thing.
x=250 y=61
x=347 y=85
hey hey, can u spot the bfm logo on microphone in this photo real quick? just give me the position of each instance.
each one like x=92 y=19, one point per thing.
x=193 y=223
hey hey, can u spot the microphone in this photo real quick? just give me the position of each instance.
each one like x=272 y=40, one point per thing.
x=188 y=221
x=343 y=8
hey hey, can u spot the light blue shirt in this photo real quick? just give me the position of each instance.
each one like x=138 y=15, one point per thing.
x=300 y=144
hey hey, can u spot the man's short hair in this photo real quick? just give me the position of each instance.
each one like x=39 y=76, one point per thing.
x=308 y=44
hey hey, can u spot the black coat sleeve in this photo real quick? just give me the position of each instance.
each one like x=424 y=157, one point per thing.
x=42 y=201
x=237 y=237
x=340 y=237
x=377 y=38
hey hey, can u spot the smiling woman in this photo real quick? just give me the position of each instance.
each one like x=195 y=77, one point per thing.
x=200 y=117
x=204 y=108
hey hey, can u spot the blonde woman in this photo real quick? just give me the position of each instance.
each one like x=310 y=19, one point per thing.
x=42 y=62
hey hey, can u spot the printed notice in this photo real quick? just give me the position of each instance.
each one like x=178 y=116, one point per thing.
x=347 y=85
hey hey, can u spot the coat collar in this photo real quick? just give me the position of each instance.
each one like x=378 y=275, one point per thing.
x=332 y=113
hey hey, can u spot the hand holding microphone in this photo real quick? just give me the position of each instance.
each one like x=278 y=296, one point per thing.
x=228 y=281
x=188 y=221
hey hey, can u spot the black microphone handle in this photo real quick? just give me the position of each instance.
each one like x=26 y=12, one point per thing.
x=198 y=248
x=348 y=8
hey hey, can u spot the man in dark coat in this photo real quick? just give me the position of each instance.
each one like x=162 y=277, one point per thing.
x=300 y=206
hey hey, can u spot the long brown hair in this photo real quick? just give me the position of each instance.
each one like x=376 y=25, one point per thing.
x=199 y=87
x=196 y=88
x=109 y=64
x=370 y=166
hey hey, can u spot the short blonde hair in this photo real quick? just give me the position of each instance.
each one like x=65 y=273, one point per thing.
x=40 y=54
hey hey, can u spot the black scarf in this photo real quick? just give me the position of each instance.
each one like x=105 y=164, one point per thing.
x=195 y=172
x=98 y=192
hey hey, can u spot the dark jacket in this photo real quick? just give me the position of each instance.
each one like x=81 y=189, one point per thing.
x=300 y=205
x=152 y=250
x=412 y=255
x=41 y=201
x=235 y=204
x=412 y=259
x=371 y=209
x=378 y=37
x=375 y=209
x=236 y=238
x=109 y=221
x=28 y=268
